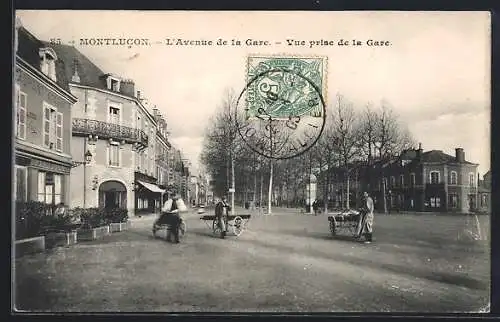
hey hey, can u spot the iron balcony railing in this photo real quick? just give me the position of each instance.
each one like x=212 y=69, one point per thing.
x=107 y=130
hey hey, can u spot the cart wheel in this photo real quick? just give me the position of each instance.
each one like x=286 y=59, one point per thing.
x=215 y=227
x=333 y=228
x=238 y=225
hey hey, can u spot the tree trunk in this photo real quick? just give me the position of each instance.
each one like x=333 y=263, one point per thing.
x=261 y=185
x=327 y=188
x=348 y=201
x=383 y=196
x=270 y=194
x=232 y=185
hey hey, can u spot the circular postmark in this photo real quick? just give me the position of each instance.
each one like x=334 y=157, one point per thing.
x=280 y=113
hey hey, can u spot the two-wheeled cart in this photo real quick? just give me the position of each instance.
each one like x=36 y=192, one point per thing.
x=344 y=223
x=237 y=223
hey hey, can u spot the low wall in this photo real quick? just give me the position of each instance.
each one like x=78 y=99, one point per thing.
x=117 y=227
x=93 y=234
x=57 y=239
x=29 y=246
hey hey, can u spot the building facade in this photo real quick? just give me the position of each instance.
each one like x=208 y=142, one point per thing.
x=163 y=147
x=424 y=181
x=111 y=124
x=148 y=194
x=42 y=125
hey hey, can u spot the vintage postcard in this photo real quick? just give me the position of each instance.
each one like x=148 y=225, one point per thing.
x=258 y=161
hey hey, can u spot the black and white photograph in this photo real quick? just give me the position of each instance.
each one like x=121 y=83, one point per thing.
x=251 y=161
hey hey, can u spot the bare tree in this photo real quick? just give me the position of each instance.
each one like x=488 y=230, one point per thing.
x=346 y=132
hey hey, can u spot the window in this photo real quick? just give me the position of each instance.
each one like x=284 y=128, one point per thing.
x=435 y=202
x=113 y=83
x=50 y=187
x=453 y=177
x=114 y=155
x=57 y=189
x=21 y=100
x=453 y=200
x=48 y=62
x=412 y=179
x=483 y=200
x=41 y=186
x=393 y=181
x=402 y=180
x=471 y=179
x=114 y=115
x=434 y=177
x=21 y=183
x=52 y=128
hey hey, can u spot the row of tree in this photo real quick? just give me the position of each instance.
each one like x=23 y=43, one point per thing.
x=351 y=135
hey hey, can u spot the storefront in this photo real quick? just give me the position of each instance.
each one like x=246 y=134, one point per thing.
x=41 y=179
x=148 y=195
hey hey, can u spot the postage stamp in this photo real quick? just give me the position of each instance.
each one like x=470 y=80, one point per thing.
x=282 y=108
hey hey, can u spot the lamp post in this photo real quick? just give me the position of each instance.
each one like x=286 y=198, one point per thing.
x=87 y=159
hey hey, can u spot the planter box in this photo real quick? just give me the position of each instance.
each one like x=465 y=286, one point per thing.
x=93 y=234
x=29 y=246
x=56 y=239
x=118 y=226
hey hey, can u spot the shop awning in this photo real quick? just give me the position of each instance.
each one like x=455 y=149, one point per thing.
x=151 y=187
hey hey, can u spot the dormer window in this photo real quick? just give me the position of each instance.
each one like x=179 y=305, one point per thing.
x=113 y=83
x=48 y=59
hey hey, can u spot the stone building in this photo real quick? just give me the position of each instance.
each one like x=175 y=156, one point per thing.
x=42 y=109
x=424 y=181
x=111 y=124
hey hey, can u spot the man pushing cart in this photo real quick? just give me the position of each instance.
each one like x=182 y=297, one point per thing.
x=365 y=225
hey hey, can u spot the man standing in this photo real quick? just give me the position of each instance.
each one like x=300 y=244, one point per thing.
x=222 y=208
x=366 y=225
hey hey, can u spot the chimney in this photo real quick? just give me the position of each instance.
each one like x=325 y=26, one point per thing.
x=75 y=78
x=127 y=87
x=18 y=25
x=419 y=151
x=139 y=95
x=459 y=155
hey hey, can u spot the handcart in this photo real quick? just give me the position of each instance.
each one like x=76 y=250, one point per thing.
x=237 y=223
x=167 y=220
x=344 y=223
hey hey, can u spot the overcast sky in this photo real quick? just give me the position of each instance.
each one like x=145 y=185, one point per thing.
x=435 y=73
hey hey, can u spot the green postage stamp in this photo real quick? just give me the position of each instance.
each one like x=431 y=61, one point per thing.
x=285 y=86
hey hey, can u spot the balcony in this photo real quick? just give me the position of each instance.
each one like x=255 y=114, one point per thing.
x=83 y=127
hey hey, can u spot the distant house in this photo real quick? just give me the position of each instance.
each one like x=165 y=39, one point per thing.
x=484 y=193
x=426 y=181
x=413 y=181
x=42 y=108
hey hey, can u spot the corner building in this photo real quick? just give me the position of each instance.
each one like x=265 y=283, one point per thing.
x=110 y=123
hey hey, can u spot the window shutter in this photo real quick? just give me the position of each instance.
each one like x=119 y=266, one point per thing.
x=46 y=127
x=17 y=97
x=59 y=131
x=22 y=116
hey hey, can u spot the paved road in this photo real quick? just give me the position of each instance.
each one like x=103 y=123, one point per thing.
x=281 y=263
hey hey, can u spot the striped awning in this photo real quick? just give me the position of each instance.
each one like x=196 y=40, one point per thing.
x=151 y=187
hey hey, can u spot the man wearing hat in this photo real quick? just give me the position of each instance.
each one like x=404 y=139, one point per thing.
x=222 y=208
x=365 y=226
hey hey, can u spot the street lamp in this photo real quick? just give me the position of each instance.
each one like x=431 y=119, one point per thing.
x=87 y=159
